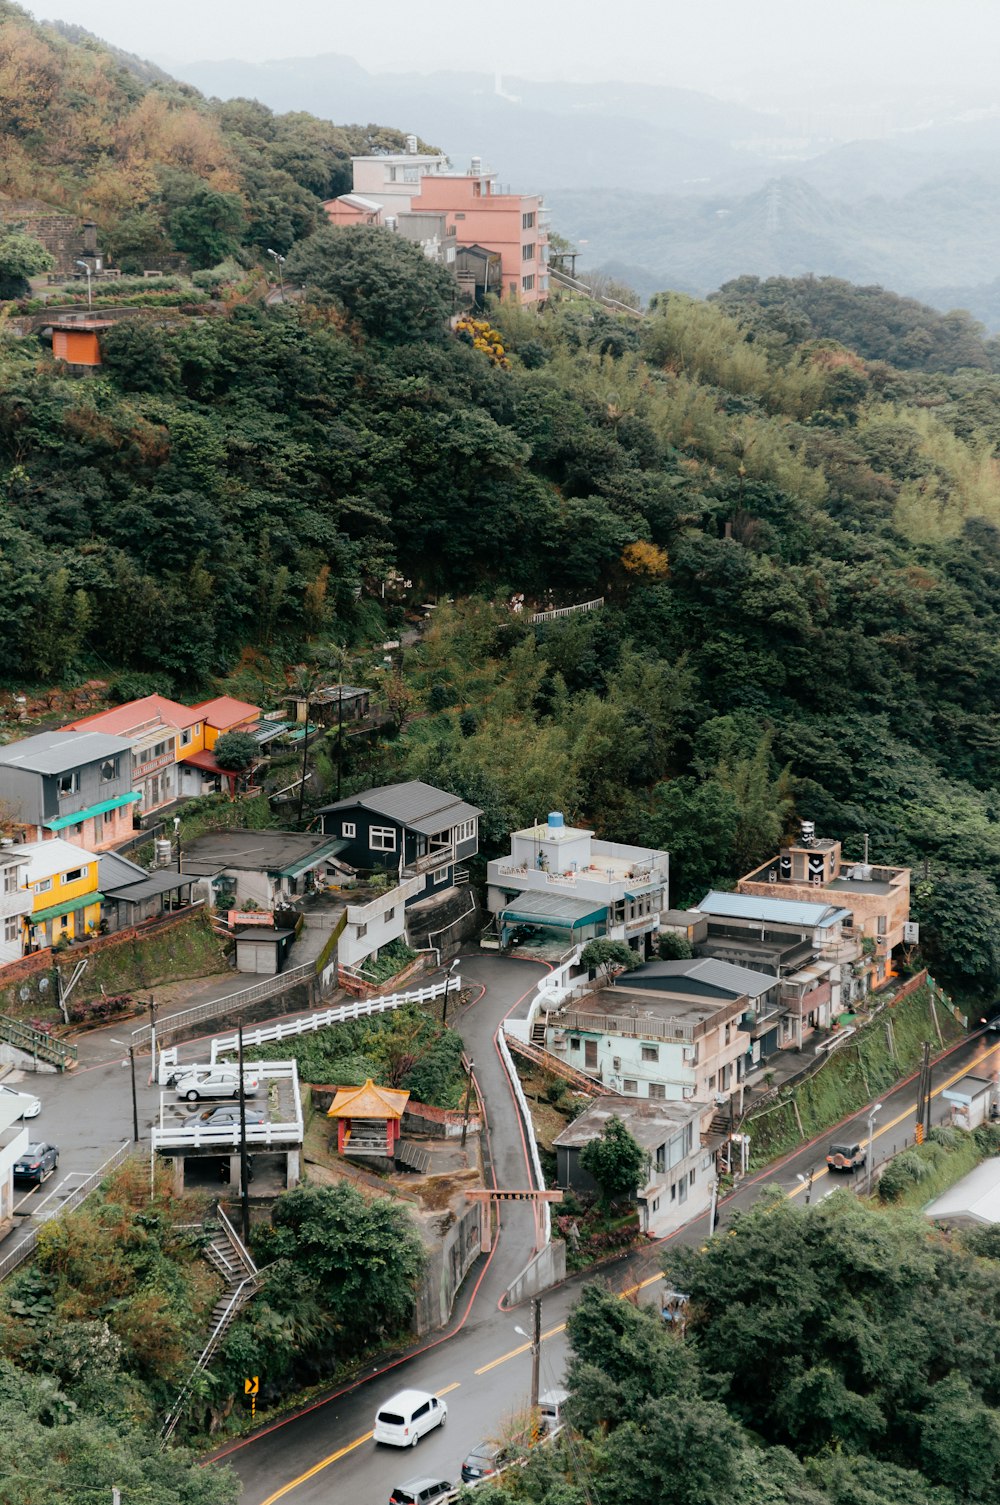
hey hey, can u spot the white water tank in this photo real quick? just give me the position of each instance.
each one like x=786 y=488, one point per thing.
x=162 y=850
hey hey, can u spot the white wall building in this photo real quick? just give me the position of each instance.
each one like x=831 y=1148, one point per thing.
x=14 y=1140
x=16 y=900
x=629 y=884
x=376 y=923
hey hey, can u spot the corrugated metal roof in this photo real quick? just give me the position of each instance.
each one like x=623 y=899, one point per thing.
x=415 y=804
x=975 y=1199
x=707 y=970
x=61 y=751
x=115 y=871
x=150 y=886
x=541 y=906
x=778 y=911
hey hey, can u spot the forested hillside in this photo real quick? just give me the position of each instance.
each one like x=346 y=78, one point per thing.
x=159 y=168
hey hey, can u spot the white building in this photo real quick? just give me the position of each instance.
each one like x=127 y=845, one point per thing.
x=376 y=922
x=393 y=180
x=566 y=883
x=14 y=1140
x=16 y=900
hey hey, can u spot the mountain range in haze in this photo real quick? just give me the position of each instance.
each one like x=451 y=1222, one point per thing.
x=669 y=188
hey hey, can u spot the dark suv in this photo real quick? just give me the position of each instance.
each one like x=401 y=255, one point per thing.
x=485 y=1459
x=848 y=1156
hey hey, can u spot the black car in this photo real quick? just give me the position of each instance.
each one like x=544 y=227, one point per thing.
x=37 y=1163
x=419 y=1491
x=486 y=1458
x=229 y=1117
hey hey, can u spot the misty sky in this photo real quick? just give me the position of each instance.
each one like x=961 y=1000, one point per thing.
x=768 y=51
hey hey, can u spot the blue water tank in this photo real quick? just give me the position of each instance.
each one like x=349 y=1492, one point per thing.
x=555 y=820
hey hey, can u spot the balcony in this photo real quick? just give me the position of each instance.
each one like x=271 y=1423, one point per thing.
x=439 y=857
x=632 y=1025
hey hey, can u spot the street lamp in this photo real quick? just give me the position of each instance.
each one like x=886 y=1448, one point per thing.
x=468 y=1102
x=807 y=1182
x=873 y=1111
x=279 y=262
x=86 y=268
x=447 y=990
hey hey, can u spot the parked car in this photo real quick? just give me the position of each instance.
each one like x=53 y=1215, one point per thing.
x=485 y=1459
x=228 y=1115
x=215 y=1081
x=407 y=1417
x=31 y=1106
x=419 y=1491
x=37 y=1163
x=847 y=1156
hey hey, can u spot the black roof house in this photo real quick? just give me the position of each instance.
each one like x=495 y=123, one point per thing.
x=406 y=828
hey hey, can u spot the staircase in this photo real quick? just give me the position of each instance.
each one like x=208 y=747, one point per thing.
x=538 y=1033
x=37 y=1044
x=233 y=1260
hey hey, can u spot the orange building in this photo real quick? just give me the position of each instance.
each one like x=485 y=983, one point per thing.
x=507 y=223
x=368 y=1119
x=76 y=342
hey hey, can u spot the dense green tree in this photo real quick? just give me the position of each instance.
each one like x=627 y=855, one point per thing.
x=21 y=257
x=383 y=282
x=616 y=1161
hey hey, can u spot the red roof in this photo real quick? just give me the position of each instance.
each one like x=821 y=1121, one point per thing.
x=224 y=712
x=136 y=713
x=205 y=760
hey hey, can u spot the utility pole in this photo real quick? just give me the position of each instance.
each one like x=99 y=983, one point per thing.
x=447 y=990
x=135 y=1101
x=536 y=1350
x=924 y=1096
x=155 y=1067
x=468 y=1102
x=177 y=838
x=340 y=730
x=244 y=1184
x=876 y=1108
x=713 y=1208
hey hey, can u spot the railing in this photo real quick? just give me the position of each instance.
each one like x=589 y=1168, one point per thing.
x=284 y=1029
x=37 y=1043
x=211 y=1009
x=558 y=1067
x=565 y=280
x=239 y=1298
x=440 y=857
x=566 y=611
x=626 y=1024
x=529 y=1129
x=279 y=1133
x=79 y=1194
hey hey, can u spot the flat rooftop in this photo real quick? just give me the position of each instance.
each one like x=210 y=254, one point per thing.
x=255 y=851
x=861 y=886
x=650 y=1123
x=635 y=1006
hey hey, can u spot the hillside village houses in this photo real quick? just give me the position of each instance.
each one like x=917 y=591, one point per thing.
x=421 y=196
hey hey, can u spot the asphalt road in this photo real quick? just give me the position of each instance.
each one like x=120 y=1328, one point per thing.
x=480 y=1364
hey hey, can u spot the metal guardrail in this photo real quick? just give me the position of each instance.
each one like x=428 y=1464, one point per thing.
x=239 y=1298
x=79 y=1194
x=529 y=1128
x=566 y=611
x=284 y=1029
x=213 y=1007
x=36 y=1042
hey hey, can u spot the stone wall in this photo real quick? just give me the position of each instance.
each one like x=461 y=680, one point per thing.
x=449 y=1258
x=61 y=234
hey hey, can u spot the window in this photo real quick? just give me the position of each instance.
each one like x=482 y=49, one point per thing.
x=661 y=1157
x=10 y=880
x=389 y=914
x=729 y=1031
x=657 y=1090
x=348 y=828
x=883 y=924
x=465 y=830
x=673 y=1192
x=98 y=827
x=528 y=284
x=411 y=175
x=711 y=1084
x=528 y=252
x=12 y=927
x=682 y=1189
x=68 y=783
x=574 y=1044
x=650 y=1052
x=459 y=216
x=528 y=221
x=382 y=838
x=187 y=736
x=360 y=931
x=109 y=769
x=73 y=876
x=42 y=886
x=691 y=1176
x=630 y=1085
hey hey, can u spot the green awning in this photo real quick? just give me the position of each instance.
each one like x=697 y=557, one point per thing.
x=320 y=855
x=62 y=821
x=70 y=907
x=542 y=907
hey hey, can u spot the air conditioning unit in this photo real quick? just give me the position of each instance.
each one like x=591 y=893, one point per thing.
x=616 y=1063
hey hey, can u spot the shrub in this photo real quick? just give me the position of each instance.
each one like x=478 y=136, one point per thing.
x=673 y=947
x=107 y=1006
x=902 y=1173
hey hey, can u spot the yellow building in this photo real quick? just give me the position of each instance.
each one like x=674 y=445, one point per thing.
x=65 y=904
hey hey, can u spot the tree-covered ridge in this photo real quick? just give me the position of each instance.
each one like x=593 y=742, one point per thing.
x=832 y=1356
x=161 y=169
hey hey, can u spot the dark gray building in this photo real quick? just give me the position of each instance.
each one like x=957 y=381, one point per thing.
x=73 y=784
x=405 y=828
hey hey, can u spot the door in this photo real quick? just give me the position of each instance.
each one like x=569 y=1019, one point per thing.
x=590 y=1054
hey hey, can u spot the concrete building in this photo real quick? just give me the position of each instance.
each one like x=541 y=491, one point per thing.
x=562 y=880
x=511 y=224
x=66 y=902
x=393 y=179
x=130 y=895
x=680 y=1170
x=973 y=1202
x=684 y=1041
x=72 y=784
x=265 y=867
x=160 y=732
x=409 y=829
x=16 y=901
x=14 y=1140
x=876 y=897
x=766 y=1011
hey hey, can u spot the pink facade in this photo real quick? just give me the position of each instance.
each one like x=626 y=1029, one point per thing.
x=352 y=209
x=507 y=223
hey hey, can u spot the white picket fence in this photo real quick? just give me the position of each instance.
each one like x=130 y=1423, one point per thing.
x=360 y=1008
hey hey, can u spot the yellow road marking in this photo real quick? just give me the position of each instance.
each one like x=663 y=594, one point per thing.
x=524 y=1348
x=895 y=1122
x=448 y=1388
x=317 y=1468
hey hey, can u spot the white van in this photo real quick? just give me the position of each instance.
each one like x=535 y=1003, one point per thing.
x=404 y=1419
x=216 y=1081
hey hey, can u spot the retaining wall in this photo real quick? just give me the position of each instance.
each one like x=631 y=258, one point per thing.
x=546 y=1269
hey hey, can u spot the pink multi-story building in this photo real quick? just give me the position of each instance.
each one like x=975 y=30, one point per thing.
x=419 y=194
x=507 y=223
